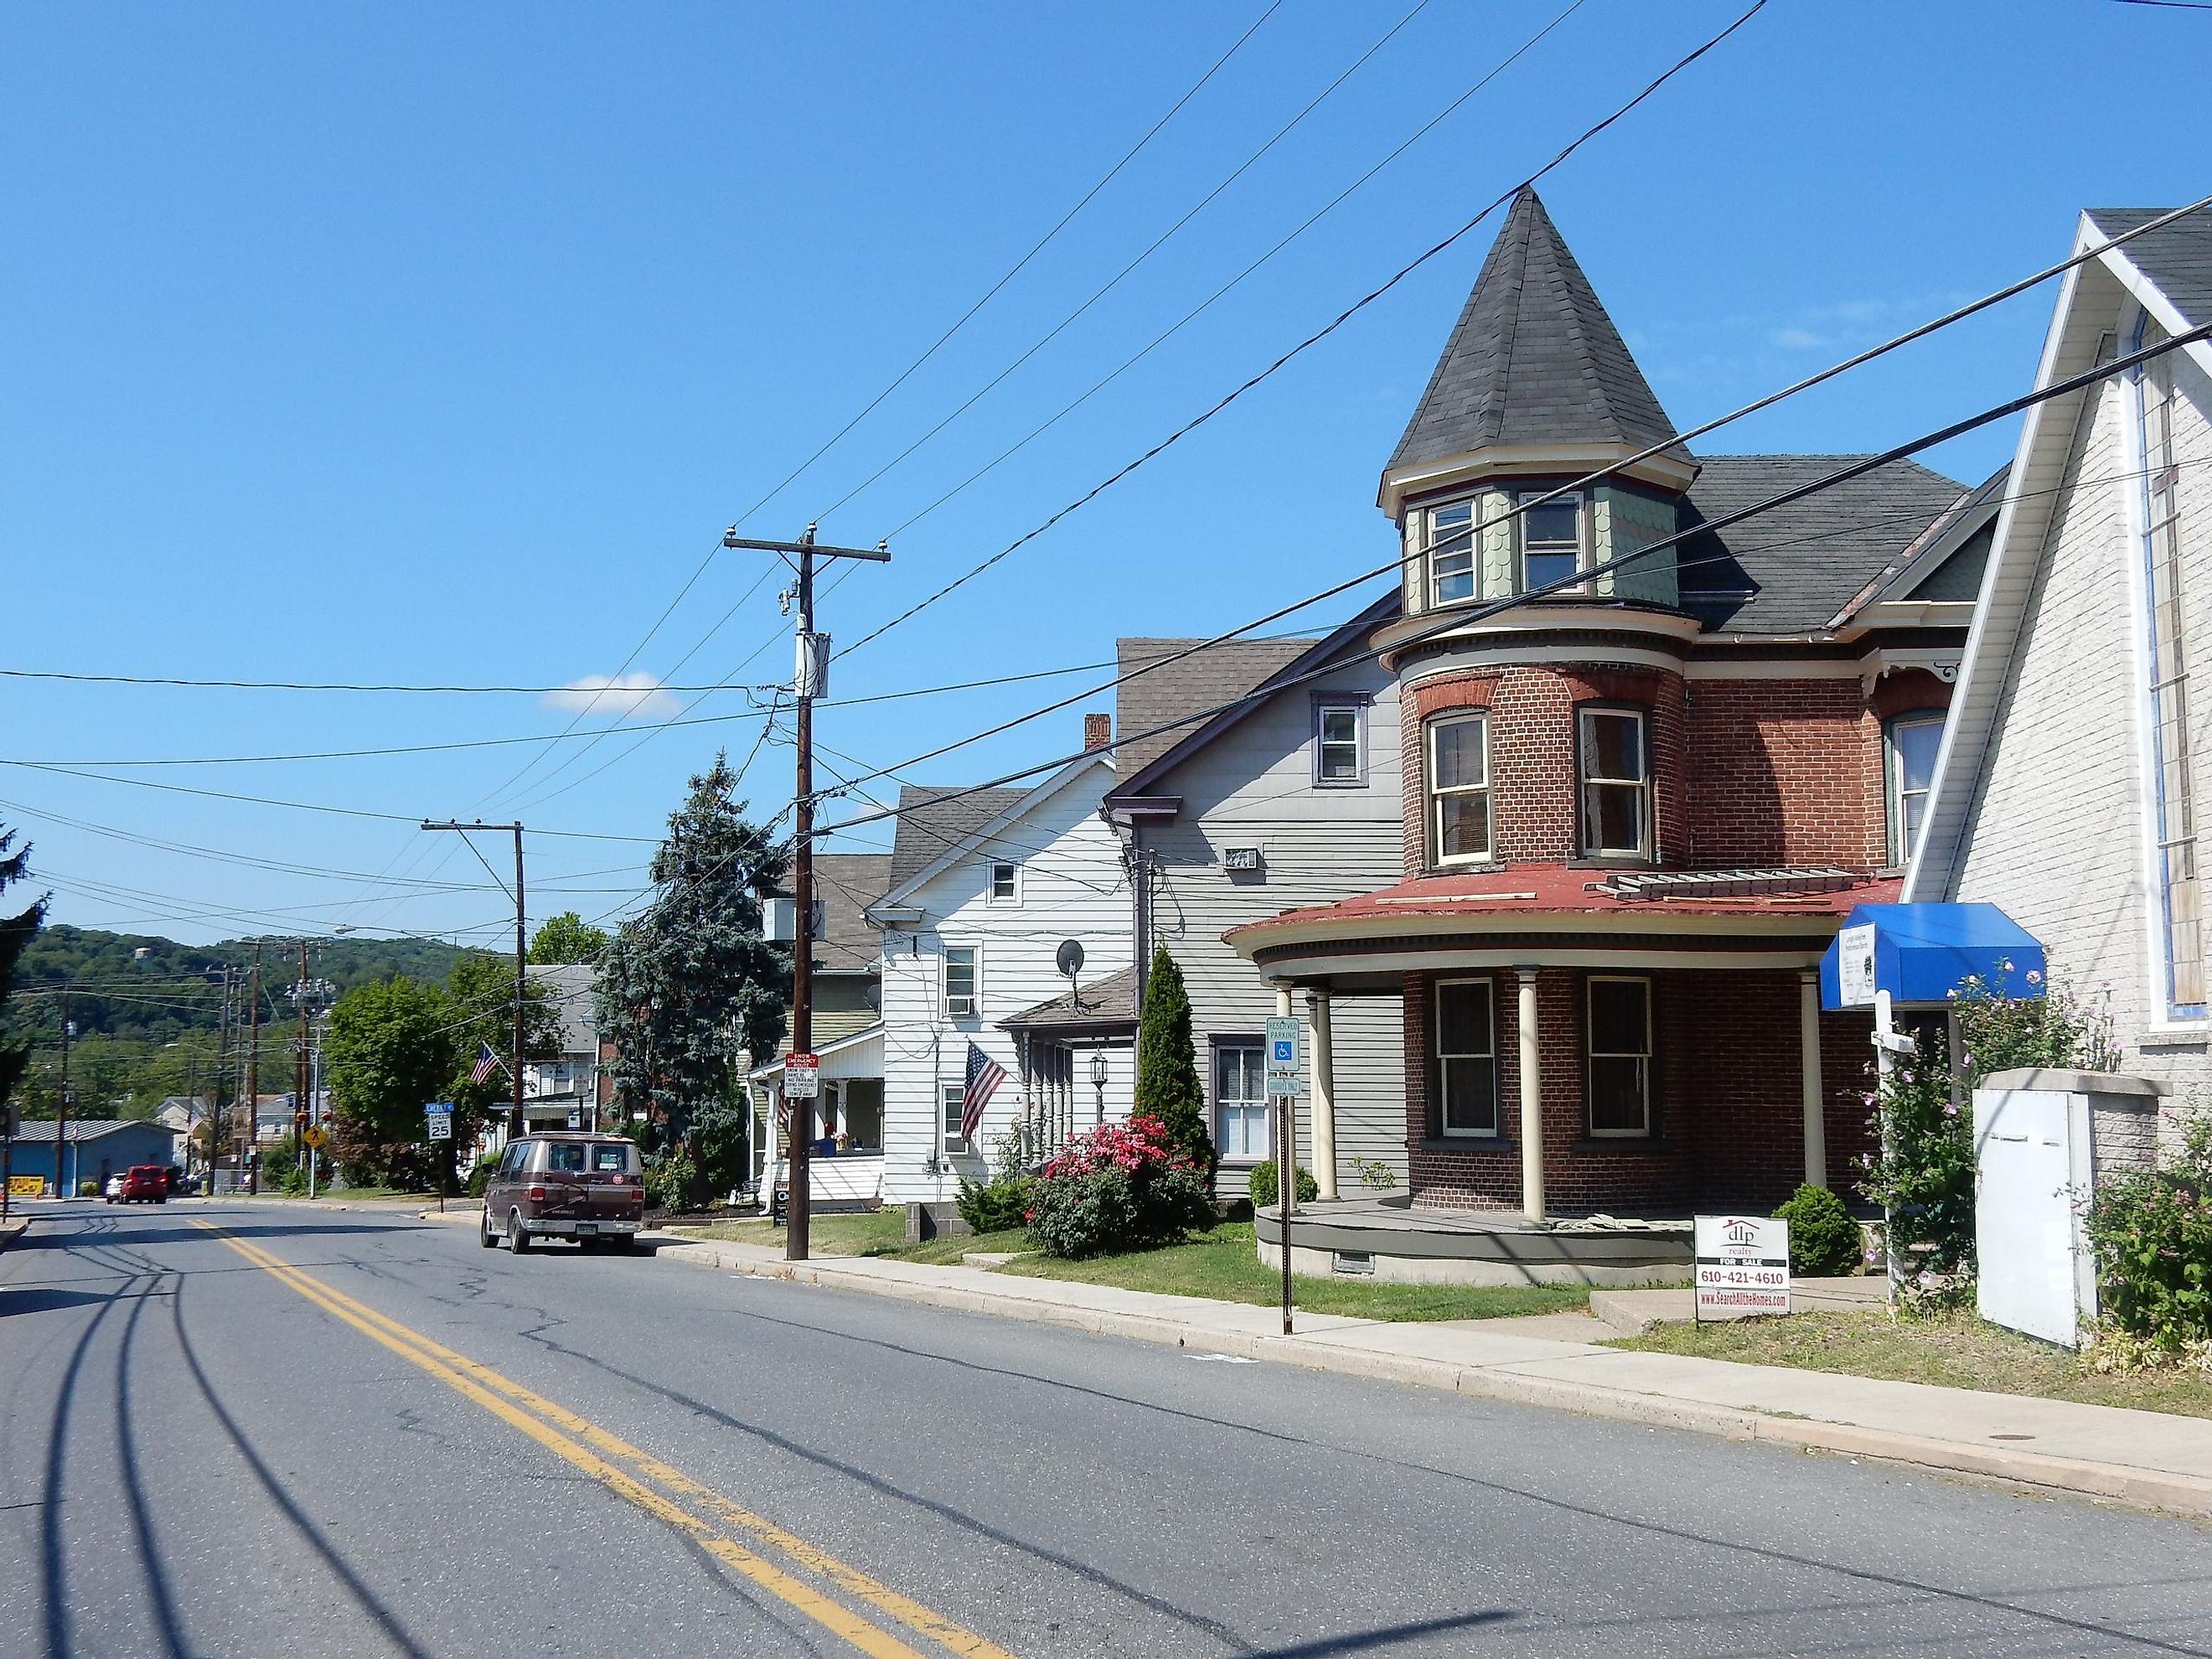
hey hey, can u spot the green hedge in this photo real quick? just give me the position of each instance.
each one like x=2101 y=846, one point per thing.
x=1262 y=1184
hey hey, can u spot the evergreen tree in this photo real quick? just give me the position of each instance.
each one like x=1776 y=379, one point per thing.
x=689 y=991
x=15 y=932
x=1168 y=1085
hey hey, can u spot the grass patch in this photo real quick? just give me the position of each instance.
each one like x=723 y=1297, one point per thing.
x=863 y=1232
x=1952 y=1350
x=1223 y=1264
x=341 y=1193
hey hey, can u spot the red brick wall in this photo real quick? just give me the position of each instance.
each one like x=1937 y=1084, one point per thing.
x=1785 y=772
x=1532 y=754
x=1729 y=1114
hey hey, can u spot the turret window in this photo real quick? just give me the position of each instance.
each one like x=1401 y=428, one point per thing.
x=1459 y=789
x=1550 y=540
x=1451 y=553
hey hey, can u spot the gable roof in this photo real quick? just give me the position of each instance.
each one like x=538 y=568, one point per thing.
x=928 y=825
x=1142 y=765
x=1183 y=689
x=2177 y=258
x=87 y=1128
x=846 y=883
x=1793 y=569
x=1534 y=359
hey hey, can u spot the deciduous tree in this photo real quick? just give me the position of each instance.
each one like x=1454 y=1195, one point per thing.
x=566 y=938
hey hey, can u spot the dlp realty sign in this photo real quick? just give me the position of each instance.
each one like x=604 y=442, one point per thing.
x=1743 y=1266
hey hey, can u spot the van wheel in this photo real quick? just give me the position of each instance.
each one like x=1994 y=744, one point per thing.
x=484 y=1235
x=518 y=1239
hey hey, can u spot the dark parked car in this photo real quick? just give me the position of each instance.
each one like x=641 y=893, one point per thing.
x=144 y=1183
x=584 y=1187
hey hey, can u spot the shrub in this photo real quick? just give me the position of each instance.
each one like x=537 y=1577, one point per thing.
x=1121 y=1187
x=669 y=1182
x=2152 y=1234
x=1374 y=1172
x=1825 y=1243
x=480 y=1176
x=994 y=1206
x=1263 y=1185
x=88 y=1189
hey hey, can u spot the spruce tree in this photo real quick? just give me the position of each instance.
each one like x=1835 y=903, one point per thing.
x=1168 y=1085
x=15 y=932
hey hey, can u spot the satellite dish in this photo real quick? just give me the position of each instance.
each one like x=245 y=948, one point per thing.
x=1069 y=960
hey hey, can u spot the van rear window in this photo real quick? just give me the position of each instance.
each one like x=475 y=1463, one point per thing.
x=565 y=1158
x=614 y=1159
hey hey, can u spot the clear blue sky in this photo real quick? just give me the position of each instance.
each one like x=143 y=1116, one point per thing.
x=434 y=343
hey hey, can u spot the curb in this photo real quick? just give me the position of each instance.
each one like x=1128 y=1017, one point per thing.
x=2141 y=1487
x=13 y=1229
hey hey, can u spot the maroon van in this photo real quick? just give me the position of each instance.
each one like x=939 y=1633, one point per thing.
x=584 y=1187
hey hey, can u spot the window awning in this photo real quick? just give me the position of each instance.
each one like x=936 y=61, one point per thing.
x=1921 y=953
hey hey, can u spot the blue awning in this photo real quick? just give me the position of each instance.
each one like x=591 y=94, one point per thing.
x=1921 y=953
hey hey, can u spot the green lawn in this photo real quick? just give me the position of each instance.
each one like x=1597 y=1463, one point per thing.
x=1220 y=1264
x=1954 y=1350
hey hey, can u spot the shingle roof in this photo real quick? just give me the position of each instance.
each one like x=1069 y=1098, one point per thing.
x=2178 y=258
x=1791 y=569
x=1183 y=691
x=1533 y=358
x=1107 y=1005
x=84 y=1128
x=847 y=883
x=929 y=826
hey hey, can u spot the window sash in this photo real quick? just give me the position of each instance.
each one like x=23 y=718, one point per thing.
x=1616 y=790
x=1546 y=554
x=1451 y=553
x=1467 y=1059
x=1240 y=1102
x=1912 y=747
x=1338 y=757
x=1459 y=813
x=2174 y=803
x=1619 y=1072
x=961 y=975
x=951 y=1098
x=1006 y=881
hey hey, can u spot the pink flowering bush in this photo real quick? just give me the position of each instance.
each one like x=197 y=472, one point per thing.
x=1120 y=1187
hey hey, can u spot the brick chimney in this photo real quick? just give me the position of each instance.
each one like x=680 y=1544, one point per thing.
x=1097 y=732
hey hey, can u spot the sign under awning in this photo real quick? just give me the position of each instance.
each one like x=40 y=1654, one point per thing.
x=1921 y=953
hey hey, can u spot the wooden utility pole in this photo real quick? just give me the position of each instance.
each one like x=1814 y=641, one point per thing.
x=810 y=680
x=521 y=960
x=61 y=1125
x=247 y=1151
x=299 y=1104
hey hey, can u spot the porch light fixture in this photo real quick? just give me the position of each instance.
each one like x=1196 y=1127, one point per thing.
x=1098 y=1079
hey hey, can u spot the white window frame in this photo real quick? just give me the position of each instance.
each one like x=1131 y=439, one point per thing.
x=1257 y=1047
x=1592 y=1054
x=1435 y=797
x=1527 y=498
x=1444 y=1070
x=1354 y=709
x=1013 y=898
x=974 y=955
x=1588 y=781
x=1432 y=579
x=1900 y=839
x=950 y=1098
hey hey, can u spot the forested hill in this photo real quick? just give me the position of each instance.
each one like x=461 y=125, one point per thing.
x=114 y=991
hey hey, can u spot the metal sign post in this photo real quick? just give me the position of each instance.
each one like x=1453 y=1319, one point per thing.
x=438 y=1116
x=1282 y=1072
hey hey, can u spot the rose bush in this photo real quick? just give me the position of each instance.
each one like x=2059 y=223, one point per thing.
x=1120 y=1187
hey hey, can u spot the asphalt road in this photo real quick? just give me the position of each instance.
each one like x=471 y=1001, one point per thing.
x=295 y=1434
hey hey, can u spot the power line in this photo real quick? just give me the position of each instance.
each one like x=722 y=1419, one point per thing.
x=1458 y=617
x=1313 y=339
x=173 y=680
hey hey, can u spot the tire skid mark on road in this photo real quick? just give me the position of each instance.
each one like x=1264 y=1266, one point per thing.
x=602 y=1454
x=52 y=1547
x=158 y=1590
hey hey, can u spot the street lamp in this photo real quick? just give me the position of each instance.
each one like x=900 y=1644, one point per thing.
x=1098 y=1079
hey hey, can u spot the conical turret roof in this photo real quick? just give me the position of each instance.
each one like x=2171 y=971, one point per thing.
x=1534 y=361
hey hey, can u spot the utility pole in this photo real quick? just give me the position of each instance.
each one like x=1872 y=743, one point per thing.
x=62 y=1188
x=521 y=960
x=219 y=1109
x=810 y=680
x=299 y=1096
x=252 y=1077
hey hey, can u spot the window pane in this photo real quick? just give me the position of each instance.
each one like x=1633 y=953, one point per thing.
x=1613 y=746
x=1545 y=568
x=565 y=1159
x=1002 y=881
x=1617 y=1098
x=1463 y=1021
x=1552 y=523
x=1463 y=826
x=1460 y=759
x=1917 y=744
x=960 y=971
x=1619 y=1022
x=1470 y=1104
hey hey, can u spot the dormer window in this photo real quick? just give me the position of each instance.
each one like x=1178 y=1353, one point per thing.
x=1550 y=540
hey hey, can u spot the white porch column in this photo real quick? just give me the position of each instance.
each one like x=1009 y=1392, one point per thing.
x=1324 y=1095
x=1532 y=1102
x=1808 y=1043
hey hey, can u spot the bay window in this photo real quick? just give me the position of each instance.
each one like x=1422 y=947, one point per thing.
x=1612 y=754
x=1459 y=789
x=1550 y=540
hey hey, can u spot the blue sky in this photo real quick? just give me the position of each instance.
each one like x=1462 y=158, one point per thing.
x=435 y=344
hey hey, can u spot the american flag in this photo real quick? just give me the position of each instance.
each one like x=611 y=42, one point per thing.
x=487 y=1063
x=985 y=1074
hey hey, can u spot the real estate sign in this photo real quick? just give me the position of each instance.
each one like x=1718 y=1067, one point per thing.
x=1855 y=966
x=1742 y=1265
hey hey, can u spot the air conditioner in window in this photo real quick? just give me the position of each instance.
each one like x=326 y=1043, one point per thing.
x=959 y=1004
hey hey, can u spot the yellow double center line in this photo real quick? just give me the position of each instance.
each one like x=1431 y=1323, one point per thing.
x=625 y=1469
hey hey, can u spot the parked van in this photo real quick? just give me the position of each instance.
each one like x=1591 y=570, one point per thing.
x=584 y=1187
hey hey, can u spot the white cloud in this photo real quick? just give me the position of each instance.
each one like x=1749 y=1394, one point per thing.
x=1796 y=339
x=624 y=695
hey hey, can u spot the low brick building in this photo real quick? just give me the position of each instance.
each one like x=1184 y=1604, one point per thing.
x=1655 y=748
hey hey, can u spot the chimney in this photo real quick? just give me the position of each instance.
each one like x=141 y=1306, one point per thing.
x=1097 y=732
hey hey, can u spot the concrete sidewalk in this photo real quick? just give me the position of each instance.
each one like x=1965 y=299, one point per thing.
x=2145 y=1458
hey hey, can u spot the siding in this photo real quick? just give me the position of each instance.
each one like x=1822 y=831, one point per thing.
x=2057 y=831
x=1072 y=887
x=1253 y=786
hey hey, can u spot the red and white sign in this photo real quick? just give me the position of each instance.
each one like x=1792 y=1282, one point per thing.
x=802 y=1076
x=1742 y=1265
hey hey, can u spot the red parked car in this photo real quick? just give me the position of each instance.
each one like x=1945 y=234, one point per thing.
x=144 y=1183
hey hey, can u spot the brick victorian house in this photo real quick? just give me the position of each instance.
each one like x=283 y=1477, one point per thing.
x=1635 y=809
